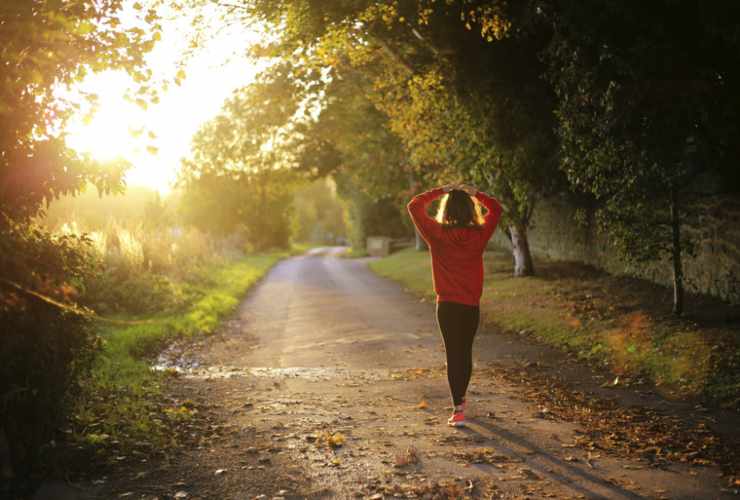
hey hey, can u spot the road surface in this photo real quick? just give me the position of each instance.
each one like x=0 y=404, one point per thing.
x=329 y=382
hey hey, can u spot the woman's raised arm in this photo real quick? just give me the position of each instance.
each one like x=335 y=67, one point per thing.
x=428 y=228
x=494 y=213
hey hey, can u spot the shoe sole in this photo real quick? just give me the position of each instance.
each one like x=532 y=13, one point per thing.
x=456 y=424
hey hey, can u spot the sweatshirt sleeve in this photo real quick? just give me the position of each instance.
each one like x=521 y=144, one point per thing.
x=492 y=217
x=417 y=207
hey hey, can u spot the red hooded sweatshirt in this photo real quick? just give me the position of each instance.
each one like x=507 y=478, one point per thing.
x=457 y=252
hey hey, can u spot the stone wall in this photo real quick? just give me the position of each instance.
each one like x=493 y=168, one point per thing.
x=715 y=226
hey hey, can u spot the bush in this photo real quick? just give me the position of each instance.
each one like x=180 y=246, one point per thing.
x=136 y=293
x=139 y=271
x=44 y=348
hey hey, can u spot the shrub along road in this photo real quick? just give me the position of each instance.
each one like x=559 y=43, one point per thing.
x=330 y=382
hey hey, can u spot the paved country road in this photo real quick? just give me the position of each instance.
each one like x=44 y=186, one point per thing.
x=329 y=382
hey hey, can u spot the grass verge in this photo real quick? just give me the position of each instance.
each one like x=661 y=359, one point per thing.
x=623 y=323
x=120 y=409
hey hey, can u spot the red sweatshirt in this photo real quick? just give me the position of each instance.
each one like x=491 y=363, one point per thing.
x=457 y=252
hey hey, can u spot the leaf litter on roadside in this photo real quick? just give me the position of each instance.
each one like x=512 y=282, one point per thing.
x=638 y=432
x=410 y=456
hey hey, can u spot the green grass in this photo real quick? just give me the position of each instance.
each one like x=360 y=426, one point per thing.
x=619 y=322
x=409 y=267
x=120 y=401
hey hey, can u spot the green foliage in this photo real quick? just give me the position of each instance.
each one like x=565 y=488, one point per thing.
x=134 y=264
x=458 y=85
x=645 y=116
x=239 y=180
x=44 y=353
x=366 y=161
x=369 y=216
x=639 y=114
x=47 y=45
x=110 y=291
x=256 y=206
x=478 y=109
x=43 y=349
x=318 y=214
x=365 y=151
x=119 y=397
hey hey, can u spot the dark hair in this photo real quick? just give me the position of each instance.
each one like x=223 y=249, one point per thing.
x=457 y=209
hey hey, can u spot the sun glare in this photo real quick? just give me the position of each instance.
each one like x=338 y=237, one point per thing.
x=107 y=133
x=154 y=140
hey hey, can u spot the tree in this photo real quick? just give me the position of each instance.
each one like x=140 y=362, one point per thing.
x=48 y=45
x=646 y=110
x=44 y=348
x=256 y=207
x=319 y=216
x=463 y=103
x=351 y=141
x=240 y=176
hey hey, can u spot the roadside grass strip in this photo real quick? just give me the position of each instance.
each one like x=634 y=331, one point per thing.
x=623 y=323
x=120 y=404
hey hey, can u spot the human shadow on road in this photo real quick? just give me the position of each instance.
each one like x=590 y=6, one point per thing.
x=614 y=490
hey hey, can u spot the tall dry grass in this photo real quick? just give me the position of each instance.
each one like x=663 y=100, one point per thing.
x=137 y=269
x=136 y=248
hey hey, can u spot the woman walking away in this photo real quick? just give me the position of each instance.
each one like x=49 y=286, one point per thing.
x=457 y=239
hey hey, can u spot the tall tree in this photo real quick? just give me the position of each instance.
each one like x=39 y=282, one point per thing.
x=240 y=171
x=647 y=110
x=479 y=108
x=48 y=45
x=351 y=141
x=460 y=87
x=43 y=349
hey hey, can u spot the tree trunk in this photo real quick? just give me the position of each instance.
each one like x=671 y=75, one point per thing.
x=676 y=257
x=523 y=265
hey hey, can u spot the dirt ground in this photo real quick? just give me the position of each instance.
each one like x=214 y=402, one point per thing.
x=329 y=382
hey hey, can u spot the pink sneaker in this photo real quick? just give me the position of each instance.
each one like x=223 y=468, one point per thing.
x=457 y=419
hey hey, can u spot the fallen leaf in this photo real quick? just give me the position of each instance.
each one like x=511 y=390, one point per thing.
x=336 y=440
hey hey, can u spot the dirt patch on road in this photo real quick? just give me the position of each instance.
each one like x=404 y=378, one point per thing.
x=222 y=457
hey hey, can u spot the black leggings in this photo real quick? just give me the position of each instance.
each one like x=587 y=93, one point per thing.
x=458 y=324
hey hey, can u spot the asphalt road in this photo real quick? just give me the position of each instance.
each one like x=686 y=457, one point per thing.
x=321 y=310
x=323 y=347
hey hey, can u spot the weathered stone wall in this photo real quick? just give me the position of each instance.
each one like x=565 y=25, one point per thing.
x=715 y=226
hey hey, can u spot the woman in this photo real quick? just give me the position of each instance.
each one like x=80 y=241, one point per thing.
x=457 y=239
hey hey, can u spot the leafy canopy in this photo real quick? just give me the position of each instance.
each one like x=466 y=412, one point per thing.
x=47 y=46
